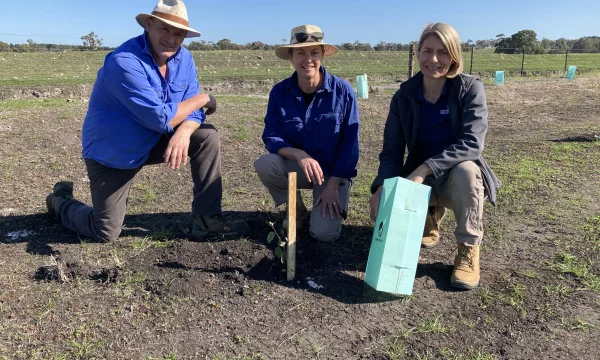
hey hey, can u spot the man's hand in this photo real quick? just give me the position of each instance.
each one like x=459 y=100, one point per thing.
x=312 y=169
x=211 y=105
x=374 y=203
x=177 y=150
x=420 y=174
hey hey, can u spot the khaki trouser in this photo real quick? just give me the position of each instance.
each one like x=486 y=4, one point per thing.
x=110 y=188
x=273 y=169
x=461 y=191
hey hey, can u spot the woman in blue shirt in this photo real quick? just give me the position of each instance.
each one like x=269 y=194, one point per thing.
x=440 y=116
x=311 y=128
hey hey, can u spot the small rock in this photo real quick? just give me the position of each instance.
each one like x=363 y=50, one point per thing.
x=260 y=57
x=69 y=100
x=36 y=94
x=84 y=100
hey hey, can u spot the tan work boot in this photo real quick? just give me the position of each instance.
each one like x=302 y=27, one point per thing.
x=466 y=268
x=431 y=233
x=301 y=213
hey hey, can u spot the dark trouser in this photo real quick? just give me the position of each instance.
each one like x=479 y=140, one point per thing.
x=110 y=188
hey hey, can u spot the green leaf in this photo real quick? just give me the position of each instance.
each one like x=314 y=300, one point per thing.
x=270 y=237
x=280 y=253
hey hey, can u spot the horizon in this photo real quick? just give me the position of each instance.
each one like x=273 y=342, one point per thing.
x=46 y=23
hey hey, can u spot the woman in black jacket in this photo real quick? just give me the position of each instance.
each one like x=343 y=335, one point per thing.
x=440 y=117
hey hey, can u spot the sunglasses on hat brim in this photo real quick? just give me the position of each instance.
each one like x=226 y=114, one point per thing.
x=303 y=37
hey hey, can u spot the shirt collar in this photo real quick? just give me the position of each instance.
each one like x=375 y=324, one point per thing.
x=327 y=81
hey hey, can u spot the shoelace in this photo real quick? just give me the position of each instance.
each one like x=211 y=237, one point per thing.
x=466 y=259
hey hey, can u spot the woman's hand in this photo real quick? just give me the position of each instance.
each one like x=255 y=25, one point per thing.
x=420 y=173
x=312 y=169
x=330 y=199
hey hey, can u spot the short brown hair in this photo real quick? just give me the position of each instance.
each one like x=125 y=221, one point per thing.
x=449 y=37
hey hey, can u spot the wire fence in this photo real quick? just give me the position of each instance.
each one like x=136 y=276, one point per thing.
x=69 y=67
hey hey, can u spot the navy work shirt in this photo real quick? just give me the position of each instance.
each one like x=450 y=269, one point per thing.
x=132 y=104
x=326 y=129
x=435 y=128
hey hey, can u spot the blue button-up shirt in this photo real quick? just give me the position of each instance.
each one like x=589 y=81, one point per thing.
x=132 y=103
x=326 y=129
x=435 y=128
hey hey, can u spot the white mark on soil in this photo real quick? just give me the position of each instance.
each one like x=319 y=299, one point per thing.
x=21 y=233
x=4 y=127
x=313 y=284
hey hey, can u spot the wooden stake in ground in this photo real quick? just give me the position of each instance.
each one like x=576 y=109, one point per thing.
x=291 y=236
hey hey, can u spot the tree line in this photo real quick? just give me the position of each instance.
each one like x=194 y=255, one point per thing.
x=524 y=40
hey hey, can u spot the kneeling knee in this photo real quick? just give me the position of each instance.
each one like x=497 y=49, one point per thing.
x=325 y=235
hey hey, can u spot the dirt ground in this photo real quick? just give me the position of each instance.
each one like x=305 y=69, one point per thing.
x=157 y=294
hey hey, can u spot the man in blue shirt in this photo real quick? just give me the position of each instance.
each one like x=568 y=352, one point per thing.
x=311 y=128
x=146 y=108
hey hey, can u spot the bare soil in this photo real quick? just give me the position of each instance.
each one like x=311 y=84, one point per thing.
x=156 y=293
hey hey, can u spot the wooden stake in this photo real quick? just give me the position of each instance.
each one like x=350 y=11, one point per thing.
x=291 y=238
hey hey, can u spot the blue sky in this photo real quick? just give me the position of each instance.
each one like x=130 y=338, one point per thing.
x=65 y=21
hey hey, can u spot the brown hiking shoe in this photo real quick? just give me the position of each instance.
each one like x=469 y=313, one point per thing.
x=62 y=190
x=431 y=233
x=301 y=213
x=466 y=268
x=217 y=225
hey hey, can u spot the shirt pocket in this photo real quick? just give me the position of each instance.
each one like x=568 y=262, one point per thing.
x=176 y=91
x=328 y=124
x=326 y=132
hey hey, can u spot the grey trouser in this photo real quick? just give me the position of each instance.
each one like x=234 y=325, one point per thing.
x=273 y=169
x=110 y=188
x=461 y=191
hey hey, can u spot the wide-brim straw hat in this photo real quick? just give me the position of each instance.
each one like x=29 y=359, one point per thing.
x=172 y=12
x=314 y=36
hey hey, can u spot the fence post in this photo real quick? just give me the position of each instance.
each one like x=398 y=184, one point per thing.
x=566 y=58
x=523 y=62
x=471 y=68
x=411 y=60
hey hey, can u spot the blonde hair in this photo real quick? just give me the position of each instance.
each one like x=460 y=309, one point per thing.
x=449 y=37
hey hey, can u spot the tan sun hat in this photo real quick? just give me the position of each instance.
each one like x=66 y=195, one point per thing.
x=303 y=36
x=172 y=12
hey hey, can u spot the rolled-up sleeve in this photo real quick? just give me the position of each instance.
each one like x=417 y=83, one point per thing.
x=126 y=83
x=272 y=136
x=347 y=156
x=192 y=89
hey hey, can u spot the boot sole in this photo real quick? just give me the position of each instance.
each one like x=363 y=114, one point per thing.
x=430 y=245
x=49 y=206
x=226 y=236
x=464 y=285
